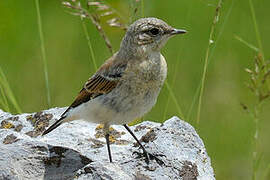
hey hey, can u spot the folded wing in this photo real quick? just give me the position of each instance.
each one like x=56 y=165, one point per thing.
x=103 y=82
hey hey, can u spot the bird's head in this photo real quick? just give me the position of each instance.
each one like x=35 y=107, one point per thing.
x=149 y=34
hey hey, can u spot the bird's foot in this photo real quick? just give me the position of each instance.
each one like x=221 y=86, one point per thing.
x=149 y=156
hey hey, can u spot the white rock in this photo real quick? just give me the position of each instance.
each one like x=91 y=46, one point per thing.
x=77 y=150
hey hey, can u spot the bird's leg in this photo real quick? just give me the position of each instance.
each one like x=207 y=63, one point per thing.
x=133 y=135
x=107 y=137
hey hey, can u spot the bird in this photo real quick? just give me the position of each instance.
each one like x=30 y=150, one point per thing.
x=127 y=85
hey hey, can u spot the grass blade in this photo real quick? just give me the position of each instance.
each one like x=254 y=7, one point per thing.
x=258 y=37
x=175 y=100
x=257 y=32
x=193 y=103
x=89 y=44
x=9 y=93
x=206 y=59
x=266 y=172
x=4 y=103
x=43 y=54
x=221 y=30
x=246 y=43
x=210 y=57
x=142 y=8
x=173 y=81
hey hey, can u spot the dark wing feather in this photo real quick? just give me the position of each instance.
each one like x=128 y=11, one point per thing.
x=94 y=87
x=103 y=82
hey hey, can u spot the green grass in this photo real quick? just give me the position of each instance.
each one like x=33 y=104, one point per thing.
x=7 y=94
x=4 y=101
x=258 y=36
x=43 y=53
x=195 y=97
x=91 y=51
x=252 y=47
x=257 y=156
x=142 y=8
x=210 y=42
x=171 y=93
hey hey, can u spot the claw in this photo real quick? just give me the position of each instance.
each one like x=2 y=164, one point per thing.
x=146 y=157
x=139 y=155
x=149 y=156
x=159 y=161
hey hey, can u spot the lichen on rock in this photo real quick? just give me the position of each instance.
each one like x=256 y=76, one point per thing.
x=77 y=150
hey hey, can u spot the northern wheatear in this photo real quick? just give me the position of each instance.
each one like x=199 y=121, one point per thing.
x=127 y=85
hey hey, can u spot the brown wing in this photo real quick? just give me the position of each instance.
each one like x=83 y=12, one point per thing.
x=94 y=87
x=103 y=82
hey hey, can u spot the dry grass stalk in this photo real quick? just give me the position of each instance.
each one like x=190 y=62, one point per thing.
x=96 y=10
x=100 y=9
x=259 y=75
x=103 y=9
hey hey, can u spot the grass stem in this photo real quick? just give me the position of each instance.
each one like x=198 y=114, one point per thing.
x=175 y=100
x=173 y=81
x=206 y=60
x=258 y=37
x=142 y=8
x=9 y=94
x=247 y=44
x=43 y=53
x=4 y=103
x=89 y=44
x=261 y=52
x=210 y=57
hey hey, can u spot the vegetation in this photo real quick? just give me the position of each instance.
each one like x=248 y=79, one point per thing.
x=218 y=78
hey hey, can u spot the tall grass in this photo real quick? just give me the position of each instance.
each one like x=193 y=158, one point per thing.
x=86 y=33
x=171 y=93
x=259 y=74
x=195 y=97
x=3 y=98
x=142 y=8
x=43 y=53
x=251 y=46
x=7 y=94
x=210 y=42
x=258 y=36
x=169 y=97
x=261 y=88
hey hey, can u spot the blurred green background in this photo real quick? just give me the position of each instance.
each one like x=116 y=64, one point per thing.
x=226 y=129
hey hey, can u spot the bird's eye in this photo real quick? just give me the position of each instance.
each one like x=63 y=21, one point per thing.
x=154 y=31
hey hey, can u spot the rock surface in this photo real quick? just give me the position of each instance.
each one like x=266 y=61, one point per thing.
x=77 y=150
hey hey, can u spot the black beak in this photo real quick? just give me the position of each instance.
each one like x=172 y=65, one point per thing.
x=178 y=31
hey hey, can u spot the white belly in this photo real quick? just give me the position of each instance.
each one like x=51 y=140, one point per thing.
x=121 y=111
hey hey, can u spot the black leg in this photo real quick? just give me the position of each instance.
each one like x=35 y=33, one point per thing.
x=133 y=135
x=107 y=136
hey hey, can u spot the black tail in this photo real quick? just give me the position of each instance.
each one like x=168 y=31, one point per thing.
x=54 y=126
